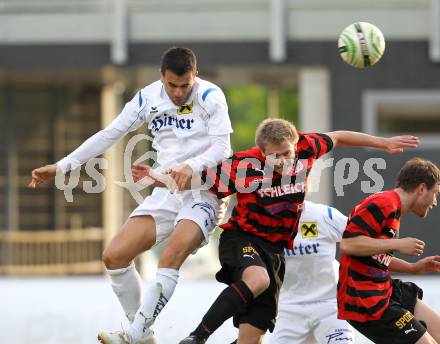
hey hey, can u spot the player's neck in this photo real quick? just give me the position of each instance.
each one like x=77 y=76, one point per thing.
x=406 y=200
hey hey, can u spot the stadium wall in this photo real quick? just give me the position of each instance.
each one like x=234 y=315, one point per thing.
x=405 y=66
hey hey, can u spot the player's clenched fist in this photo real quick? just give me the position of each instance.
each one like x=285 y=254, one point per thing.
x=181 y=174
x=411 y=246
x=42 y=174
x=147 y=176
x=140 y=172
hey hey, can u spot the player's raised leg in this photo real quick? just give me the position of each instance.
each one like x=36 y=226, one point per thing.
x=186 y=238
x=137 y=235
x=430 y=317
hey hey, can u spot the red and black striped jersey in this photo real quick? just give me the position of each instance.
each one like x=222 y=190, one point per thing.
x=268 y=204
x=364 y=287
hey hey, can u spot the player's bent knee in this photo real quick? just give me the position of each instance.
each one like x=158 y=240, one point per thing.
x=112 y=261
x=107 y=259
x=258 y=283
x=264 y=282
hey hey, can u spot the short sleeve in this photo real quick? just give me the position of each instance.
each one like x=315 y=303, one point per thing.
x=320 y=143
x=232 y=175
x=369 y=220
x=220 y=179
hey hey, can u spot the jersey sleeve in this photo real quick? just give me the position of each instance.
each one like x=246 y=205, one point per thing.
x=320 y=143
x=132 y=115
x=214 y=102
x=220 y=179
x=370 y=220
x=233 y=175
x=337 y=222
x=219 y=149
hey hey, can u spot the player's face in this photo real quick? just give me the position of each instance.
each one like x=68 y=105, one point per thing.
x=427 y=199
x=178 y=87
x=280 y=155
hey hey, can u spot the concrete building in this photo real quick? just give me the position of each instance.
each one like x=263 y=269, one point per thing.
x=67 y=67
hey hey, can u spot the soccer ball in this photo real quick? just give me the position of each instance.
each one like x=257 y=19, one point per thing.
x=361 y=44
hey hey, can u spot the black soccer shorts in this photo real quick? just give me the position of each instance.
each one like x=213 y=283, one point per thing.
x=397 y=324
x=238 y=251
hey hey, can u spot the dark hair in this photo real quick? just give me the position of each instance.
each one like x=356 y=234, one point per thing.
x=417 y=171
x=178 y=60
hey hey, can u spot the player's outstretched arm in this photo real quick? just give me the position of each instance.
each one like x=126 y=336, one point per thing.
x=366 y=246
x=147 y=176
x=422 y=266
x=43 y=174
x=392 y=145
x=209 y=179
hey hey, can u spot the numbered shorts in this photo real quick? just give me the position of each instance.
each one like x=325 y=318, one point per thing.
x=238 y=251
x=397 y=324
x=311 y=322
x=167 y=209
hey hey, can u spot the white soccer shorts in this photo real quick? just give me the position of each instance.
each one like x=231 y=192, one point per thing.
x=314 y=322
x=167 y=209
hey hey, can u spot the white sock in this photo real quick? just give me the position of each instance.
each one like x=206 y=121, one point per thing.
x=156 y=296
x=168 y=279
x=127 y=285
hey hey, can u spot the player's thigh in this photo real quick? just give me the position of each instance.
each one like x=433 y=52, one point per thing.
x=137 y=235
x=430 y=317
x=163 y=206
x=396 y=326
x=426 y=339
x=330 y=329
x=248 y=334
x=184 y=240
x=202 y=209
x=290 y=328
x=193 y=224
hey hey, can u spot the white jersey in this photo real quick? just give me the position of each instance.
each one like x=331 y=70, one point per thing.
x=310 y=267
x=180 y=133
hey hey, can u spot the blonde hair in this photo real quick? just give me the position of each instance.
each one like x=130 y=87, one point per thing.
x=274 y=131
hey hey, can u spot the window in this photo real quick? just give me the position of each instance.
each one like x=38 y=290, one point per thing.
x=394 y=112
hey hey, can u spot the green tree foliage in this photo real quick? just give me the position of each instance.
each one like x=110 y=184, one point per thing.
x=248 y=107
x=289 y=105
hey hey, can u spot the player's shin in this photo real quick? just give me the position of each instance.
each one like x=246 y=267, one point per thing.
x=230 y=300
x=127 y=285
x=156 y=296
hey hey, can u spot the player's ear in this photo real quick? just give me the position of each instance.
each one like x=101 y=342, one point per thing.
x=420 y=188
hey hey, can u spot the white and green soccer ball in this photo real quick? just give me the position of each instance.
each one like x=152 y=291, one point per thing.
x=361 y=44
